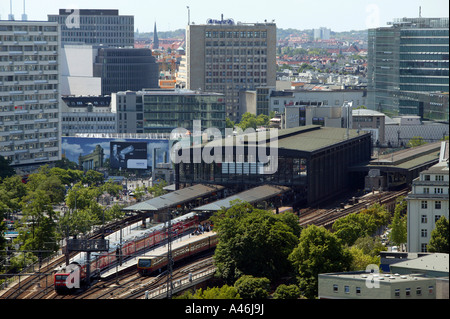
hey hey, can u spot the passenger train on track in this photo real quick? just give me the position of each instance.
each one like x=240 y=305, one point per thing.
x=146 y=265
x=135 y=242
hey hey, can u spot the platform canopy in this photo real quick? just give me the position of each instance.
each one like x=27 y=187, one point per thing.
x=251 y=196
x=175 y=198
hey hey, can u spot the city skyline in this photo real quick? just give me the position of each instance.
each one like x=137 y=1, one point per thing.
x=346 y=15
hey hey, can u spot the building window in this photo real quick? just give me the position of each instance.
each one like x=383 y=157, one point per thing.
x=424 y=233
x=437 y=204
x=439 y=178
x=397 y=292
x=427 y=177
x=419 y=291
x=426 y=190
x=424 y=219
x=424 y=204
x=423 y=248
x=347 y=289
x=358 y=290
x=335 y=288
x=408 y=292
x=439 y=190
x=437 y=217
x=430 y=289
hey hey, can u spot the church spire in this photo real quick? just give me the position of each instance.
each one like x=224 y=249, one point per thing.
x=155 y=39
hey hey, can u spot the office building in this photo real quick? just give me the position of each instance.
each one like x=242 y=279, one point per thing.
x=122 y=69
x=408 y=68
x=30 y=131
x=428 y=202
x=162 y=111
x=95 y=27
x=227 y=57
x=87 y=114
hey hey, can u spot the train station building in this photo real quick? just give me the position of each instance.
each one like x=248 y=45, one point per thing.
x=313 y=161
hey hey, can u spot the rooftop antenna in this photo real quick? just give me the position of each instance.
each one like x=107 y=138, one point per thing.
x=24 y=15
x=189 y=15
x=420 y=12
x=10 y=15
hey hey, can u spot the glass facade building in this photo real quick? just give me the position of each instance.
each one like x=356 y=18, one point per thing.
x=161 y=111
x=126 y=69
x=408 y=68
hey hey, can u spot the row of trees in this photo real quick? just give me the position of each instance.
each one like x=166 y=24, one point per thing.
x=41 y=226
x=258 y=250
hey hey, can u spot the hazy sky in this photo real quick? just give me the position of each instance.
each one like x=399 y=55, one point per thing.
x=343 y=15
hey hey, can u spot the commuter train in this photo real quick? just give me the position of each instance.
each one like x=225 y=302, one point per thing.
x=135 y=241
x=188 y=248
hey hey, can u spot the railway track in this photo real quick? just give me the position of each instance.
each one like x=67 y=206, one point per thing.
x=326 y=217
x=33 y=285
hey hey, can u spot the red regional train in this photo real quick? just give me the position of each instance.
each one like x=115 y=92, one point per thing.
x=191 y=247
x=66 y=279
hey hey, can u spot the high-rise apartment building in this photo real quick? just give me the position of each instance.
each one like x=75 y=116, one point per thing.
x=227 y=57
x=408 y=68
x=95 y=27
x=30 y=131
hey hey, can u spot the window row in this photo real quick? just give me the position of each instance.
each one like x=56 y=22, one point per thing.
x=235 y=34
x=437 y=204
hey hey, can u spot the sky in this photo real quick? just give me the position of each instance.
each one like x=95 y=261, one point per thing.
x=169 y=15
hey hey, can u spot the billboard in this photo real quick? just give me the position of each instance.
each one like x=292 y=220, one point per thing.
x=95 y=152
x=128 y=155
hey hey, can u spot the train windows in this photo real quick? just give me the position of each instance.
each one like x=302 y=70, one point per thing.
x=145 y=263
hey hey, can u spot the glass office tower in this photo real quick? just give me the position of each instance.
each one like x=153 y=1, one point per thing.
x=409 y=67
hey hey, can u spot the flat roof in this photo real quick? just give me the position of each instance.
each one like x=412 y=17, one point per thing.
x=175 y=198
x=250 y=196
x=307 y=138
x=311 y=138
x=437 y=262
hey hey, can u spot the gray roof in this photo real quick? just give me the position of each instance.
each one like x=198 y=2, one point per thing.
x=434 y=263
x=250 y=196
x=175 y=198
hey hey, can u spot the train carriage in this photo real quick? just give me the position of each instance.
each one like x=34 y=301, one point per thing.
x=149 y=264
x=130 y=245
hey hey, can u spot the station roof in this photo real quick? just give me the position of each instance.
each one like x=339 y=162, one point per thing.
x=409 y=158
x=314 y=137
x=175 y=198
x=307 y=138
x=250 y=196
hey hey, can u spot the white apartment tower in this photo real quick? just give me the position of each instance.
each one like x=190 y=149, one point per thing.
x=428 y=202
x=30 y=131
x=227 y=57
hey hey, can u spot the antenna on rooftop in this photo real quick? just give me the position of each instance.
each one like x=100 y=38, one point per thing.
x=24 y=15
x=420 y=12
x=10 y=15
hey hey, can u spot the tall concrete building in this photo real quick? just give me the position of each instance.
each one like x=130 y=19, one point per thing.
x=227 y=57
x=30 y=129
x=95 y=27
x=408 y=68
